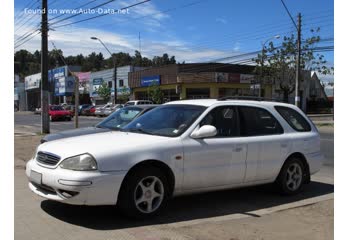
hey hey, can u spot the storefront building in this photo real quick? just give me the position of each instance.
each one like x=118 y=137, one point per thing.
x=106 y=76
x=19 y=94
x=195 y=81
x=84 y=87
x=61 y=86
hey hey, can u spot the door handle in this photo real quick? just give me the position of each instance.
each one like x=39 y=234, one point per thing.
x=238 y=149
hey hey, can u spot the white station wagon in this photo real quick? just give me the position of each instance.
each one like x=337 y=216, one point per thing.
x=178 y=148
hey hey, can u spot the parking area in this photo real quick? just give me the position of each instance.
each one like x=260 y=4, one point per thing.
x=249 y=213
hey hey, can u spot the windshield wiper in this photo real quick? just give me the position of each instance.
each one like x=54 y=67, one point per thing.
x=138 y=130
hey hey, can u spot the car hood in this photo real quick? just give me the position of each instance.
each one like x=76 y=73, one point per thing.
x=106 y=147
x=73 y=133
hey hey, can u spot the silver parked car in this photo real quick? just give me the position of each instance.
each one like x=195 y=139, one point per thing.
x=100 y=109
x=115 y=121
x=109 y=110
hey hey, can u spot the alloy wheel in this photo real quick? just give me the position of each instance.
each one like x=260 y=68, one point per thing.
x=294 y=176
x=149 y=194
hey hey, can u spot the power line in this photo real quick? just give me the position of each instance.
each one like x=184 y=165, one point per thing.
x=77 y=8
x=26 y=35
x=289 y=14
x=79 y=13
x=27 y=40
x=28 y=22
x=23 y=10
x=25 y=18
x=101 y=15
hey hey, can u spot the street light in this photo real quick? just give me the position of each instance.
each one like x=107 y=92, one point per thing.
x=114 y=72
x=262 y=61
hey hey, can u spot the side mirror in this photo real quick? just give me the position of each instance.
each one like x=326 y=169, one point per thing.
x=204 y=132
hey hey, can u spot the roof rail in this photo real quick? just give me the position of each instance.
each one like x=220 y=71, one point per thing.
x=251 y=98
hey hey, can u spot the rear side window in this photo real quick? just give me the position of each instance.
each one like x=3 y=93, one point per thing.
x=257 y=122
x=294 y=119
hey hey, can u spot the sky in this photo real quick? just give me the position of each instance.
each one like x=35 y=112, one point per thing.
x=191 y=30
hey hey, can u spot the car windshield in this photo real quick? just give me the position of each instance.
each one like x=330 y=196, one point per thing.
x=167 y=120
x=120 y=118
x=56 y=108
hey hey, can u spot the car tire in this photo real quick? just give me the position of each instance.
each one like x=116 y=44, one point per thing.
x=69 y=118
x=144 y=193
x=291 y=178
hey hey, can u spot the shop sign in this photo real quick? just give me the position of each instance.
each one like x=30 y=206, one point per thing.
x=234 y=77
x=32 y=81
x=83 y=76
x=121 y=91
x=150 y=80
x=56 y=73
x=246 y=78
x=96 y=83
x=221 y=77
x=64 y=86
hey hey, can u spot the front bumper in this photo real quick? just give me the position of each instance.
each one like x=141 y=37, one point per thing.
x=75 y=187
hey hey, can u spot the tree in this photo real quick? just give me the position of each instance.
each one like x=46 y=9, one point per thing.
x=281 y=61
x=104 y=91
x=125 y=94
x=156 y=94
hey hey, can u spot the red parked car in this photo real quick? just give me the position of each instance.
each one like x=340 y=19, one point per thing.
x=58 y=112
x=89 y=111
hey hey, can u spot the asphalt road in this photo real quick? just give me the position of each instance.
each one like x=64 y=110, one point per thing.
x=32 y=122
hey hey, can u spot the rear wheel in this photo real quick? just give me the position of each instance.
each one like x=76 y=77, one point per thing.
x=144 y=193
x=291 y=178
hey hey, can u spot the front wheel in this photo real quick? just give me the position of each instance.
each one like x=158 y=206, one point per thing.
x=144 y=193
x=291 y=178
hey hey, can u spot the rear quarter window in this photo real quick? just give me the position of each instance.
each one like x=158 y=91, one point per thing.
x=294 y=119
x=256 y=121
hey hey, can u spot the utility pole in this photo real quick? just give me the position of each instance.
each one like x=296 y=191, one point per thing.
x=76 y=102
x=297 y=97
x=115 y=79
x=45 y=121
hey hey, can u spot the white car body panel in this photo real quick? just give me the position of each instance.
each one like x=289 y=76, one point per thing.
x=197 y=164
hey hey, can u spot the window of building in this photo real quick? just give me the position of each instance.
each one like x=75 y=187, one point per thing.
x=121 y=83
x=224 y=119
x=197 y=93
x=257 y=122
x=294 y=119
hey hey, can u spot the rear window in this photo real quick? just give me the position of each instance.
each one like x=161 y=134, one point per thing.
x=294 y=119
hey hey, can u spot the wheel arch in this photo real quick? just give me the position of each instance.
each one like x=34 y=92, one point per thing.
x=303 y=159
x=153 y=163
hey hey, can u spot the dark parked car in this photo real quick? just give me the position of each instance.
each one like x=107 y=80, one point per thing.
x=82 y=107
x=113 y=122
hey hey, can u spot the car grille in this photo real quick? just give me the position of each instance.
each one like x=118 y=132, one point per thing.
x=48 y=159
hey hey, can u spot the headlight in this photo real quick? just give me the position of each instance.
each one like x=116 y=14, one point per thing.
x=84 y=162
